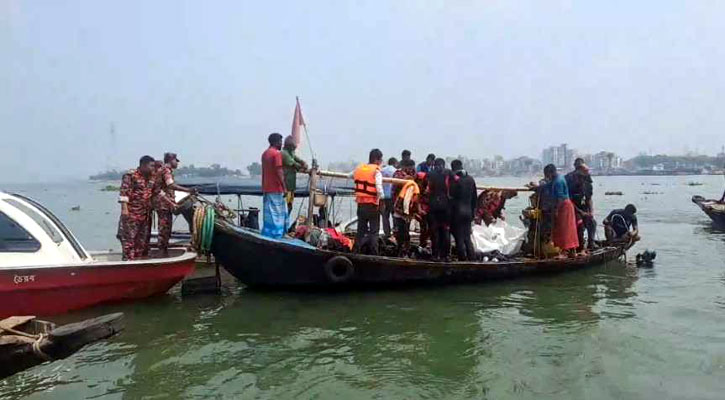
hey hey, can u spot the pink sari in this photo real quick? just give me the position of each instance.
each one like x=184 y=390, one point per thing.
x=565 y=234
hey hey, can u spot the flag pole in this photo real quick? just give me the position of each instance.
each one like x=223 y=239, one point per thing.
x=307 y=134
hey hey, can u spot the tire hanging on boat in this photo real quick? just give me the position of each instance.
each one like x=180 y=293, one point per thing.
x=339 y=269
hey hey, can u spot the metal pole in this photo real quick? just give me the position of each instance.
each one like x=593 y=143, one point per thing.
x=312 y=187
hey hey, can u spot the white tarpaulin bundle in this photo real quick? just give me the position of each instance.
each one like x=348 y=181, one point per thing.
x=498 y=236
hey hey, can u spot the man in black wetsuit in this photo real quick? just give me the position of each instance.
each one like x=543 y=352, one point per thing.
x=618 y=223
x=463 y=209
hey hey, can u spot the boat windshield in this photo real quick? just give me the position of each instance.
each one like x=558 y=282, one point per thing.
x=44 y=223
x=15 y=239
x=57 y=224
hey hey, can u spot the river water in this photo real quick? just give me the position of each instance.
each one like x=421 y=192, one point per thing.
x=607 y=332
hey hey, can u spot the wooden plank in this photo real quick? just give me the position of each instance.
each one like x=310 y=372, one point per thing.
x=15 y=321
x=396 y=181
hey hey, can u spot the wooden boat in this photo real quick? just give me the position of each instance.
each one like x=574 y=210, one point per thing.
x=287 y=263
x=260 y=261
x=26 y=342
x=714 y=209
x=45 y=270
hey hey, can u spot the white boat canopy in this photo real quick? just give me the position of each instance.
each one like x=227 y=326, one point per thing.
x=30 y=235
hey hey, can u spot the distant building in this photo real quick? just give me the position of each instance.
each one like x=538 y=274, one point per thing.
x=523 y=166
x=561 y=156
x=605 y=161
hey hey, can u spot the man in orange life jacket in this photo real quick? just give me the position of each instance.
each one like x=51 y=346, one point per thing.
x=368 y=192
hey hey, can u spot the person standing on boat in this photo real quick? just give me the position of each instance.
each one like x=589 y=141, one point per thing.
x=463 y=209
x=439 y=180
x=276 y=217
x=401 y=219
x=563 y=217
x=164 y=199
x=292 y=165
x=368 y=193
x=427 y=165
x=423 y=214
x=405 y=157
x=386 y=206
x=581 y=189
x=135 y=199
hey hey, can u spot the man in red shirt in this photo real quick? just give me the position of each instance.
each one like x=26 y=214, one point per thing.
x=276 y=218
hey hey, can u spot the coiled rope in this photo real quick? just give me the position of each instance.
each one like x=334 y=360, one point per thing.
x=204 y=218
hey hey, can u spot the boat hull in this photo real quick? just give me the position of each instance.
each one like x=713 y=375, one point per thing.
x=716 y=215
x=257 y=261
x=57 y=289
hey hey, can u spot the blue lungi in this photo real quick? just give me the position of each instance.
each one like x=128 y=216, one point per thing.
x=276 y=219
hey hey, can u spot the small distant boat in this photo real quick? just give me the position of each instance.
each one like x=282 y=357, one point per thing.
x=44 y=269
x=26 y=341
x=714 y=209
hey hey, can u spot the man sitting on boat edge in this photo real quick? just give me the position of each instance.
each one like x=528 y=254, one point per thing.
x=618 y=223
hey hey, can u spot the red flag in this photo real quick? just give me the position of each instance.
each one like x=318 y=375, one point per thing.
x=297 y=123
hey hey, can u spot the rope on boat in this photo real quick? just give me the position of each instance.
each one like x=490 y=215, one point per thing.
x=36 y=344
x=203 y=229
x=208 y=232
x=197 y=224
x=36 y=348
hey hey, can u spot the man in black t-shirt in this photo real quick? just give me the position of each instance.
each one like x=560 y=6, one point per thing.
x=439 y=202
x=581 y=190
x=618 y=223
x=463 y=208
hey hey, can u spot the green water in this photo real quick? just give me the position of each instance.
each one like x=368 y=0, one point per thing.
x=607 y=332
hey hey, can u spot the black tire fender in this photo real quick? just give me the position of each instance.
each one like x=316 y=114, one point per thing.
x=339 y=269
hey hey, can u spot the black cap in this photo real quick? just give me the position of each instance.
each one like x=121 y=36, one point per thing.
x=170 y=156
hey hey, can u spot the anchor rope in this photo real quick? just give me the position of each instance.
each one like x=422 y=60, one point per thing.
x=36 y=348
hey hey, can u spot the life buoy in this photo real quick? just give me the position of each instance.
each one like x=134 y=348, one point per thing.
x=339 y=269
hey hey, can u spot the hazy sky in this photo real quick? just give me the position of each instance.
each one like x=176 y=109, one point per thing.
x=211 y=79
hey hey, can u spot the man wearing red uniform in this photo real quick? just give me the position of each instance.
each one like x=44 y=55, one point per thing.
x=135 y=198
x=163 y=199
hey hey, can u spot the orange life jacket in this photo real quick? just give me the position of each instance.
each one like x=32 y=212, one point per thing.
x=410 y=185
x=365 y=190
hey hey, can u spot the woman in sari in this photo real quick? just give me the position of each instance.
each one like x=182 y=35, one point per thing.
x=564 y=234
